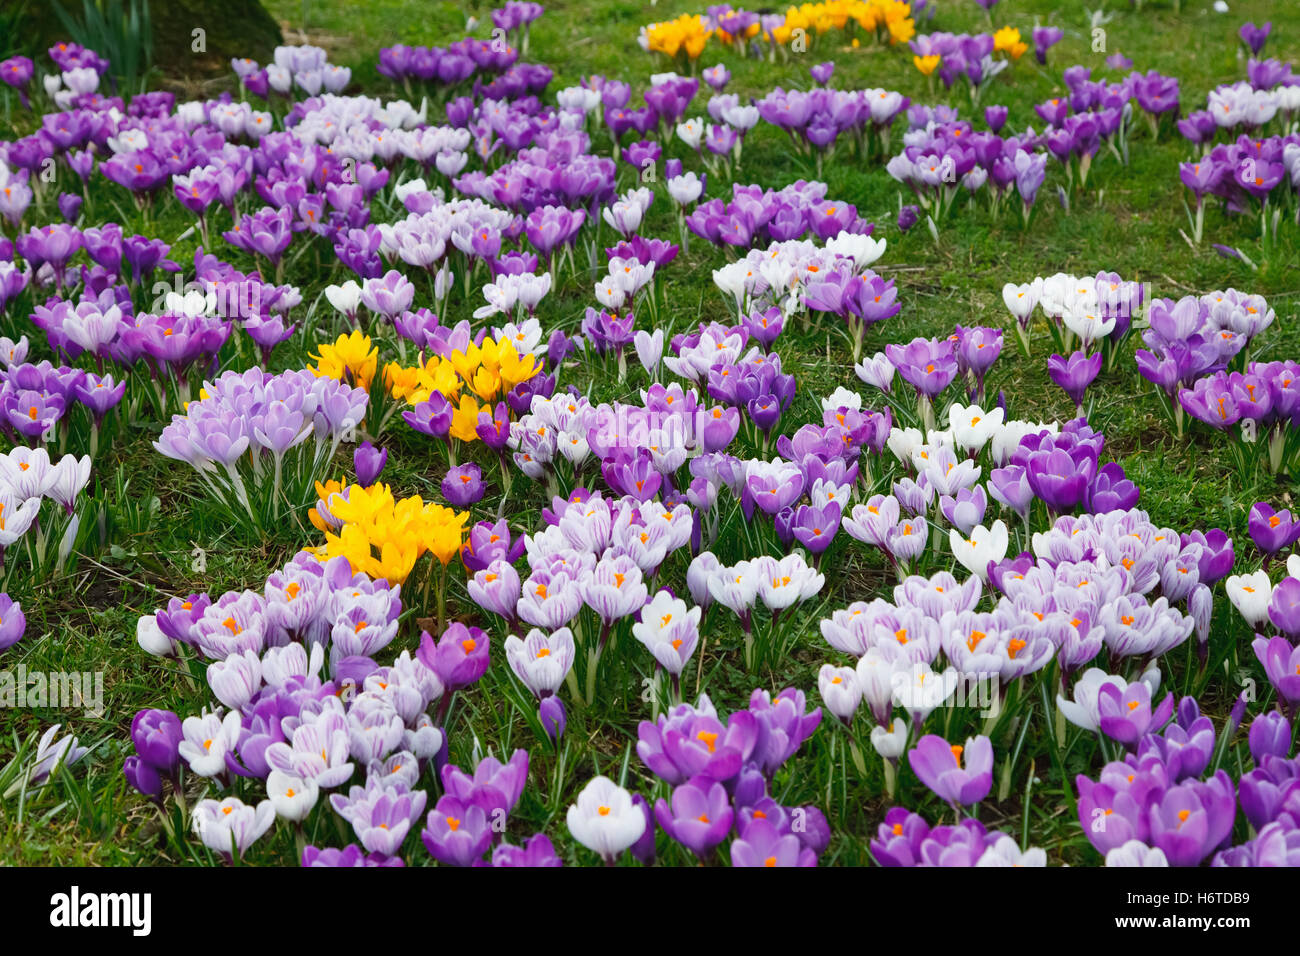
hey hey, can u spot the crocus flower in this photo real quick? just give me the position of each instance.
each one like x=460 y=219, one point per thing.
x=156 y=734
x=938 y=764
x=230 y=824
x=13 y=624
x=456 y=833
x=459 y=657
x=463 y=485
x=1253 y=36
x=699 y=816
x=1251 y=595
x=1044 y=39
x=1126 y=714
x=1270 y=736
x=1282 y=666
x=1271 y=530
x=1074 y=374
x=669 y=631
x=763 y=845
x=1191 y=820
x=604 y=819
x=368 y=462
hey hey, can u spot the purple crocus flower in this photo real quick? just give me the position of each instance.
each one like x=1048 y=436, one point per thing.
x=1216 y=555
x=553 y=718
x=495 y=787
x=1270 y=736
x=815 y=527
x=822 y=72
x=783 y=726
x=1074 y=374
x=490 y=542
x=457 y=833
x=928 y=365
x=1044 y=39
x=1126 y=715
x=763 y=845
x=368 y=462
x=13 y=624
x=350 y=856
x=143 y=778
x=1272 y=531
x=493 y=427
x=686 y=743
x=1193 y=819
x=432 y=417
x=156 y=735
x=1282 y=666
x=1253 y=36
x=1186 y=746
x=459 y=657
x=699 y=816
x=1059 y=479
x=1284 y=607
x=1111 y=490
x=938 y=765
x=463 y=485
x=537 y=852
x=899 y=838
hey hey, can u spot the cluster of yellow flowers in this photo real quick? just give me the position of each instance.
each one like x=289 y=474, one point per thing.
x=350 y=359
x=479 y=374
x=887 y=18
x=382 y=536
x=1007 y=40
x=689 y=34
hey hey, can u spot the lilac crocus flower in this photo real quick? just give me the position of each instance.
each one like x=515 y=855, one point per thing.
x=938 y=764
x=1272 y=531
x=928 y=365
x=1193 y=819
x=699 y=816
x=459 y=657
x=368 y=462
x=1270 y=736
x=764 y=845
x=1125 y=715
x=1044 y=39
x=463 y=485
x=457 y=833
x=537 y=852
x=1075 y=374
x=1253 y=36
x=13 y=624
x=495 y=787
x=1111 y=490
x=1282 y=666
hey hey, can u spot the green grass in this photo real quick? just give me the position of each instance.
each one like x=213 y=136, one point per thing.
x=1128 y=221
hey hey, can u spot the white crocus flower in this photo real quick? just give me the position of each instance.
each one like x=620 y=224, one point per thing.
x=1084 y=710
x=1250 y=595
x=983 y=545
x=605 y=819
x=290 y=796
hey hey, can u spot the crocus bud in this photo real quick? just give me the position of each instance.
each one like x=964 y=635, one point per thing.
x=143 y=777
x=551 y=713
x=644 y=848
x=1270 y=736
x=368 y=461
